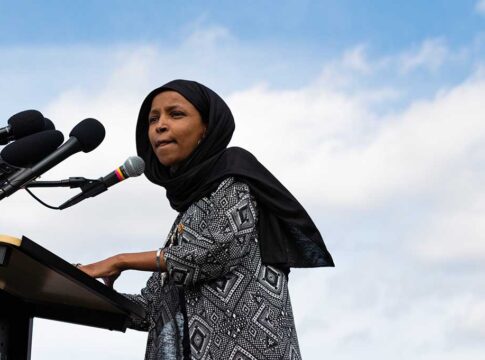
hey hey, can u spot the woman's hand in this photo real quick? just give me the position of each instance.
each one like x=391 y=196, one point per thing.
x=108 y=270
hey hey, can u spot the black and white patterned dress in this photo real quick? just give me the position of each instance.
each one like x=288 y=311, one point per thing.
x=217 y=300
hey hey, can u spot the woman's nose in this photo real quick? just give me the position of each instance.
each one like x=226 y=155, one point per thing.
x=161 y=125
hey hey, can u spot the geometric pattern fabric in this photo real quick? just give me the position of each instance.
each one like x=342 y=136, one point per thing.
x=235 y=306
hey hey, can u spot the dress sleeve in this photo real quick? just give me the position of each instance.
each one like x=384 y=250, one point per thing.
x=134 y=322
x=145 y=300
x=213 y=236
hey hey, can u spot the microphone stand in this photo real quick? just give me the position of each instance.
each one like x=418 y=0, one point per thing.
x=89 y=188
x=72 y=182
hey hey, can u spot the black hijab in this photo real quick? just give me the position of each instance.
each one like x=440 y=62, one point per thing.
x=287 y=235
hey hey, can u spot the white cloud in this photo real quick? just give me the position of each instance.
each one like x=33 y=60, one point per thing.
x=346 y=70
x=61 y=341
x=355 y=66
x=471 y=317
x=353 y=157
x=356 y=59
x=431 y=55
x=212 y=36
x=480 y=7
x=457 y=232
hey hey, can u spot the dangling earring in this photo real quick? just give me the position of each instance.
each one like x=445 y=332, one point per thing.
x=203 y=136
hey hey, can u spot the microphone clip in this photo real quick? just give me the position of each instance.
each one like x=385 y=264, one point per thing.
x=90 y=189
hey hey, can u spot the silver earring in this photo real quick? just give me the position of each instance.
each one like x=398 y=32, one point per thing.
x=203 y=136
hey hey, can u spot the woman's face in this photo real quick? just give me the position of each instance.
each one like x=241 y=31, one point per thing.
x=174 y=127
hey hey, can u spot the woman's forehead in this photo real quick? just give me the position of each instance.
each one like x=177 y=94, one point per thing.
x=170 y=98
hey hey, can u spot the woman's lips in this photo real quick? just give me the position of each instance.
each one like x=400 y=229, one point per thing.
x=163 y=143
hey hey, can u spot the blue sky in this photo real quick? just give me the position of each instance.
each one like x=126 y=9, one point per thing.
x=295 y=34
x=372 y=115
x=322 y=26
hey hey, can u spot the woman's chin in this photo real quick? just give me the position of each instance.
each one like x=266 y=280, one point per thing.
x=168 y=161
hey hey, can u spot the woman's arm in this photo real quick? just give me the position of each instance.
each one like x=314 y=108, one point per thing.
x=220 y=241
x=216 y=238
x=110 y=269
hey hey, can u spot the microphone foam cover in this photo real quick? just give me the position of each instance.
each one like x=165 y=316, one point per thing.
x=31 y=149
x=90 y=133
x=134 y=166
x=26 y=122
x=48 y=124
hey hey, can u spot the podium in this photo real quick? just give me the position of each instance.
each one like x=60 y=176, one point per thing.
x=37 y=283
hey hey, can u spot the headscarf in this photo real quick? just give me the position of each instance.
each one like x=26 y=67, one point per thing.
x=287 y=235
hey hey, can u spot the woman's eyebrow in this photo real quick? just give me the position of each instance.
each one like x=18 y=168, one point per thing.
x=154 y=112
x=173 y=107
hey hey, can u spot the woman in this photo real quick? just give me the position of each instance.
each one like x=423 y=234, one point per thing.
x=219 y=284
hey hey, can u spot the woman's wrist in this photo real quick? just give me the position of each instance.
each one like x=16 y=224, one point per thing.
x=145 y=261
x=121 y=262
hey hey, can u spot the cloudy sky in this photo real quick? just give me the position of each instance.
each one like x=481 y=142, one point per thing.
x=373 y=116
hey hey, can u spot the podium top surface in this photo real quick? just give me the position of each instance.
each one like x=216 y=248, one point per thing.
x=56 y=289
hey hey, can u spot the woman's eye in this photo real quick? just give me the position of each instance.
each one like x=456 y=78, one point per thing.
x=152 y=119
x=177 y=114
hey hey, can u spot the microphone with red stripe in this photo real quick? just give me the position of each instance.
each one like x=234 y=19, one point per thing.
x=133 y=166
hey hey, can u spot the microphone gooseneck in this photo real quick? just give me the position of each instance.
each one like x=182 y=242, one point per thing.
x=72 y=182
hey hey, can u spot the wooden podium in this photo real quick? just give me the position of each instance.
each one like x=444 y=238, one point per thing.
x=37 y=283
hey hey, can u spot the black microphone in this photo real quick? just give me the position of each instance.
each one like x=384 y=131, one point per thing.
x=132 y=167
x=28 y=151
x=22 y=124
x=48 y=124
x=85 y=136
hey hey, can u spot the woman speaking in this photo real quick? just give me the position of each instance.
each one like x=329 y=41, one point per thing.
x=219 y=288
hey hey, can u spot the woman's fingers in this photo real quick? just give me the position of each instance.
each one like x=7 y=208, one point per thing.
x=104 y=268
x=107 y=270
x=109 y=282
x=83 y=268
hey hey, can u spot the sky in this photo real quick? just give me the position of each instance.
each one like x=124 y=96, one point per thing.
x=371 y=114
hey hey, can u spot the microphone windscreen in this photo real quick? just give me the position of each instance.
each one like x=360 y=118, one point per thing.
x=134 y=166
x=32 y=149
x=25 y=123
x=48 y=124
x=90 y=133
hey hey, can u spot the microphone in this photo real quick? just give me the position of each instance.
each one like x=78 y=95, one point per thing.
x=85 y=136
x=132 y=167
x=28 y=150
x=32 y=148
x=22 y=124
x=48 y=124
